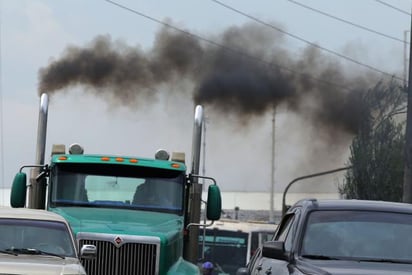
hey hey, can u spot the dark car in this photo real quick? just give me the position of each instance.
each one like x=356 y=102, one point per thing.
x=339 y=237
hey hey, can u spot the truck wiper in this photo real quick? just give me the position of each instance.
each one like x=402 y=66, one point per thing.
x=33 y=251
x=319 y=257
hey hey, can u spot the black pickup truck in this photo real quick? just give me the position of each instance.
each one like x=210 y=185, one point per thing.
x=338 y=237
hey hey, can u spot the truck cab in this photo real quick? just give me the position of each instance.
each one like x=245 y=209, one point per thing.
x=132 y=209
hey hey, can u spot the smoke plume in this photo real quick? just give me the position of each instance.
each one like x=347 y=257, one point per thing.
x=248 y=73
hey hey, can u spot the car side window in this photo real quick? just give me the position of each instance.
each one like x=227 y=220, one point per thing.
x=284 y=228
x=285 y=233
x=280 y=235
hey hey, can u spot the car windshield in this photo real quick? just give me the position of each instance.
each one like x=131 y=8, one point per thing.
x=358 y=235
x=22 y=236
x=76 y=185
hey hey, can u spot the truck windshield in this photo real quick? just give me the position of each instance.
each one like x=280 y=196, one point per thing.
x=97 y=185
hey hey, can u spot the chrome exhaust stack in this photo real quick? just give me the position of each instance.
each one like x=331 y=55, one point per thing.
x=37 y=188
x=195 y=190
x=197 y=139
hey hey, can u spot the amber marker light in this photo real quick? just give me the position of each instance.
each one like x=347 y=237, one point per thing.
x=175 y=165
x=119 y=159
x=63 y=158
x=133 y=160
x=105 y=158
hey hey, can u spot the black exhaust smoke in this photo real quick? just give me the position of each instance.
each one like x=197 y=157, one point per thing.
x=249 y=74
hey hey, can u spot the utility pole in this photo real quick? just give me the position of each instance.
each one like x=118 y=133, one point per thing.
x=407 y=180
x=405 y=57
x=272 y=185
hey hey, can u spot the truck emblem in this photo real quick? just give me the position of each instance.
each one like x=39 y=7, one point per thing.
x=118 y=241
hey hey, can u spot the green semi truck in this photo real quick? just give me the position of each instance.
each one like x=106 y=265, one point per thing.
x=142 y=214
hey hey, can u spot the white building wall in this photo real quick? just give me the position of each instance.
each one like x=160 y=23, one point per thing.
x=261 y=200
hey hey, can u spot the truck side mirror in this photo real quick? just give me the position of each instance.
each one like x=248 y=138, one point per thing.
x=214 y=203
x=18 y=190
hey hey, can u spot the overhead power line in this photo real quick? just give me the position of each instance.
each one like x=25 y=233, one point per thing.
x=393 y=7
x=308 y=42
x=348 y=22
x=240 y=52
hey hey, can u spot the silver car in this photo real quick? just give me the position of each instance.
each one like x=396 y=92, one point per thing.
x=38 y=242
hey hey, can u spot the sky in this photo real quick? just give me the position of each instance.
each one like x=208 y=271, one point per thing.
x=169 y=56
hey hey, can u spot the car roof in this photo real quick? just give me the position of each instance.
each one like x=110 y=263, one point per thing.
x=31 y=214
x=352 y=204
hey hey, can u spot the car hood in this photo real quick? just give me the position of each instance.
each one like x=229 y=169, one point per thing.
x=39 y=265
x=352 y=268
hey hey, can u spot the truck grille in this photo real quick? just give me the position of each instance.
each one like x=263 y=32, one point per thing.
x=128 y=258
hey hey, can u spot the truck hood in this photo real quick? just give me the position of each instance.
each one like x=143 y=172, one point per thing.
x=121 y=221
x=39 y=265
x=352 y=268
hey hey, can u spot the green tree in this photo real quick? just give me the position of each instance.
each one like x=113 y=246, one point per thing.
x=377 y=152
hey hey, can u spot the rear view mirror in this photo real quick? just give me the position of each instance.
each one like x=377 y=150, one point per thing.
x=214 y=203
